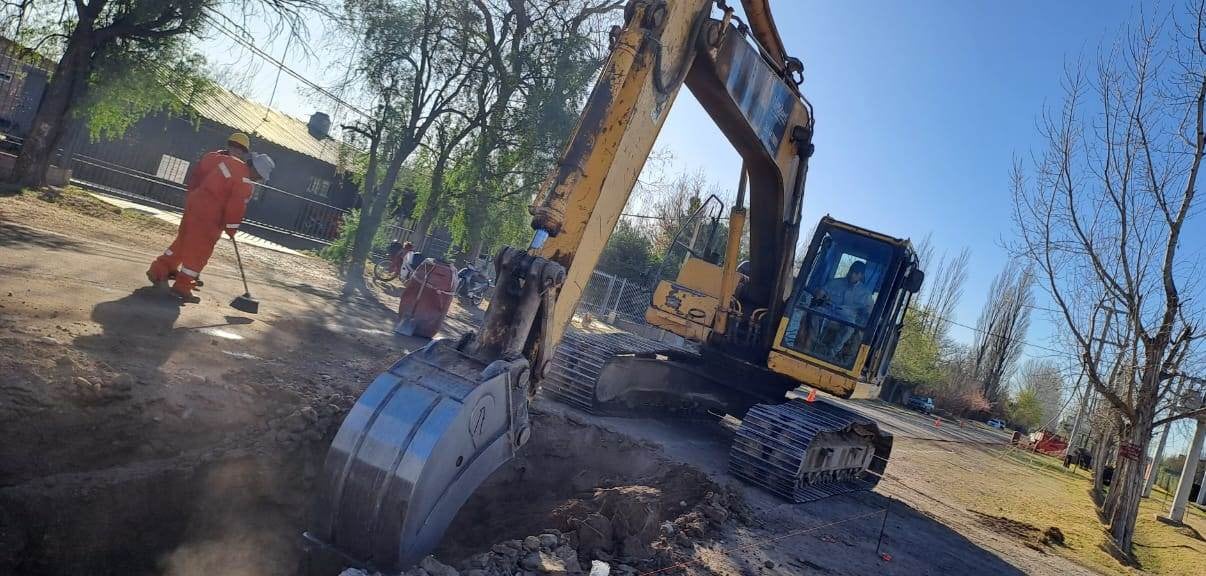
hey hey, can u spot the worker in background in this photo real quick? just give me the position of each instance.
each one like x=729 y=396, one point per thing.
x=215 y=203
x=238 y=145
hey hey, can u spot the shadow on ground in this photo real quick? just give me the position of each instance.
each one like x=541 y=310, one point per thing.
x=16 y=235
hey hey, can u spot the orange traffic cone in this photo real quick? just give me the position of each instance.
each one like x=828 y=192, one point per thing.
x=812 y=395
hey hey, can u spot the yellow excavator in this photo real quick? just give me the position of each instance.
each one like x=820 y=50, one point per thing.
x=430 y=430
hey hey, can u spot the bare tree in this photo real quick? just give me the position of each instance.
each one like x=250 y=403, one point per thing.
x=1043 y=378
x=943 y=289
x=1001 y=330
x=1100 y=216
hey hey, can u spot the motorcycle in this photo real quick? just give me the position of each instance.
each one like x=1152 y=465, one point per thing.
x=398 y=262
x=471 y=284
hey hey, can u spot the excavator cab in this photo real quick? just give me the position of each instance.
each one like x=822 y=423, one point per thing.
x=841 y=322
x=846 y=310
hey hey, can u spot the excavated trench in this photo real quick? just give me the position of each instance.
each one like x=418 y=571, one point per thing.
x=239 y=512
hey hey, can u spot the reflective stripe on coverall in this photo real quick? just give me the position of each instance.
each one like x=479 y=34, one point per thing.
x=217 y=197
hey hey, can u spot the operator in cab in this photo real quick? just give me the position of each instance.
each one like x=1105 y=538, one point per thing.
x=847 y=298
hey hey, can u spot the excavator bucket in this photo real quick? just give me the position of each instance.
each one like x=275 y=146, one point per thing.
x=416 y=445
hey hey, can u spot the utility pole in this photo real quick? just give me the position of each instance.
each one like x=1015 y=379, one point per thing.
x=1176 y=514
x=1080 y=414
x=1155 y=465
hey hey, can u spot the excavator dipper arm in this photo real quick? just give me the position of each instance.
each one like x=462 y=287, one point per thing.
x=426 y=433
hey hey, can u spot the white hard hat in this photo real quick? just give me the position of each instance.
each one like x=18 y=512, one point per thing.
x=263 y=165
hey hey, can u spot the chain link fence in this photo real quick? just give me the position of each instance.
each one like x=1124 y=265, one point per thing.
x=621 y=303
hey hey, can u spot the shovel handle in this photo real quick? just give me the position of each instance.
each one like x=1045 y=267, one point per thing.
x=239 y=259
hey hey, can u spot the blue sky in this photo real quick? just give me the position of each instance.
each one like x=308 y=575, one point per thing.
x=920 y=108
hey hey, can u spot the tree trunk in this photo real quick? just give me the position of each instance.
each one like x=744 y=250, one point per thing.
x=476 y=211
x=370 y=216
x=68 y=84
x=1104 y=440
x=1127 y=486
x=431 y=209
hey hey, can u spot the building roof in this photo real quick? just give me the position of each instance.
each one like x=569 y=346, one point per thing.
x=263 y=123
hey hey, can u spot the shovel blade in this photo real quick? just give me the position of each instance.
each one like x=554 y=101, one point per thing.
x=246 y=303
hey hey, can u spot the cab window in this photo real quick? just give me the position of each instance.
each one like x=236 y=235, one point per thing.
x=835 y=297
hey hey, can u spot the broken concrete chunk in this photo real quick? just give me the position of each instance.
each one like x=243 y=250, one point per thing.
x=569 y=557
x=531 y=543
x=436 y=568
x=543 y=563
x=548 y=541
x=598 y=568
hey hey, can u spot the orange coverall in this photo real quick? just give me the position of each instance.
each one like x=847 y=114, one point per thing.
x=218 y=191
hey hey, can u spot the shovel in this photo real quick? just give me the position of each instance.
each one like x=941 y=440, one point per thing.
x=244 y=303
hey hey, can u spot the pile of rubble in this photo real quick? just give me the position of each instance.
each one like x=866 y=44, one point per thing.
x=624 y=537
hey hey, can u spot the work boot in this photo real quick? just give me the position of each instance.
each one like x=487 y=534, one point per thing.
x=156 y=283
x=182 y=289
x=189 y=298
x=197 y=284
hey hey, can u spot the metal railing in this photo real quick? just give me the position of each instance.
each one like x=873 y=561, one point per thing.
x=271 y=208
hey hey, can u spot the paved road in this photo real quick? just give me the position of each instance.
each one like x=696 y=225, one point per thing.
x=905 y=423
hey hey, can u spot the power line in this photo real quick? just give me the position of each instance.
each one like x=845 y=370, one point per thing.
x=280 y=65
x=925 y=312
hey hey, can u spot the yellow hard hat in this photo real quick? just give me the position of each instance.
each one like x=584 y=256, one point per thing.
x=241 y=139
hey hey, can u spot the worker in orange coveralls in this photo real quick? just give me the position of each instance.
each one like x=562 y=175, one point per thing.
x=219 y=190
x=239 y=146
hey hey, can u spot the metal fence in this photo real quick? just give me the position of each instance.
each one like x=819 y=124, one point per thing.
x=433 y=245
x=621 y=303
x=609 y=296
x=291 y=213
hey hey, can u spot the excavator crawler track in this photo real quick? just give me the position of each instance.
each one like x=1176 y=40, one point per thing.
x=805 y=451
x=799 y=450
x=579 y=361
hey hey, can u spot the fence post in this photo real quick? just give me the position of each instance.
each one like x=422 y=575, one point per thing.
x=619 y=297
x=602 y=306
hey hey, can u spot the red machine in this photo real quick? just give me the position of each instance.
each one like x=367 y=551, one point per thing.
x=1047 y=443
x=426 y=299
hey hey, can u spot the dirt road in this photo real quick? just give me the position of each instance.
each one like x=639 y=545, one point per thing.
x=145 y=438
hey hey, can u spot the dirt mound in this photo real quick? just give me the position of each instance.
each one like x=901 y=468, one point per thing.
x=579 y=494
x=1027 y=534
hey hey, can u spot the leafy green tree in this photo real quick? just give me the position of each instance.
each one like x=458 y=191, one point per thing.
x=629 y=253
x=418 y=57
x=95 y=41
x=131 y=86
x=1026 y=409
x=917 y=358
